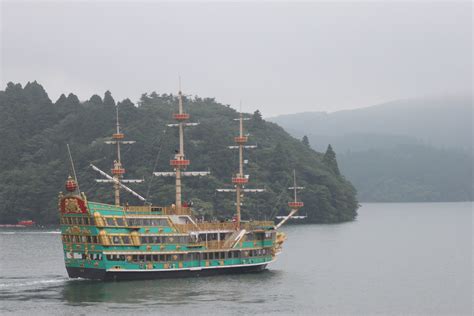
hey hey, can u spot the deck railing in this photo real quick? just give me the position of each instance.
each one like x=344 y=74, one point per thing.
x=159 y=210
x=225 y=226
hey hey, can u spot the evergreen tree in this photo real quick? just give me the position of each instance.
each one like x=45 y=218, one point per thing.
x=108 y=99
x=95 y=99
x=329 y=160
x=305 y=141
x=257 y=116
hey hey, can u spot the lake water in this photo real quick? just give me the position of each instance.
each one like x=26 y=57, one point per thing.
x=395 y=259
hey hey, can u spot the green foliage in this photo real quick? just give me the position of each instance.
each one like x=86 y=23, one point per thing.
x=257 y=116
x=34 y=162
x=329 y=160
x=413 y=173
x=305 y=140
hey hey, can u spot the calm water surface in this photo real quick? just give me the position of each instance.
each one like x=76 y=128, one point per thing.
x=395 y=259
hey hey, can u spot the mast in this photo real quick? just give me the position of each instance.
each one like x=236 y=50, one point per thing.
x=240 y=179
x=180 y=163
x=294 y=205
x=117 y=170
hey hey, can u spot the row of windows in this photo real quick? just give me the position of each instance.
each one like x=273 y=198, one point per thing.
x=116 y=221
x=126 y=240
x=212 y=236
x=80 y=239
x=77 y=221
x=122 y=222
x=165 y=239
x=83 y=256
x=190 y=256
x=147 y=222
x=120 y=240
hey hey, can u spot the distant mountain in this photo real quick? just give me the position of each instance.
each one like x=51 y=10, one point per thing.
x=414 y=173
x=443 y=122
x=410 y=150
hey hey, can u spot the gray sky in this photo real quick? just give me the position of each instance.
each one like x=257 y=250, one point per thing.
x=278 y=57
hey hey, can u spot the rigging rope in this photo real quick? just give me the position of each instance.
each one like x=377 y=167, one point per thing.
x=160 y=142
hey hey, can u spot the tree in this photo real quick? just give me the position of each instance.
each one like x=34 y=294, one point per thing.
x=257 y=116
x=329 y=160
x=108 y=100
x=305 y=141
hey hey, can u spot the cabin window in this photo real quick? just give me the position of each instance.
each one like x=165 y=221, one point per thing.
x=84 y=238
x=77 y=255
x=155 y=239
x=126 y=240
x=86 y=221
x=110 y=221
x=116 y=240
x=120 y=221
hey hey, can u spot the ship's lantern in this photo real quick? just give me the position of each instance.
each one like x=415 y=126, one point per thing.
x=71 y=185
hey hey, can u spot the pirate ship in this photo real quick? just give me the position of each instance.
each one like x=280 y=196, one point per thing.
x=121 y=241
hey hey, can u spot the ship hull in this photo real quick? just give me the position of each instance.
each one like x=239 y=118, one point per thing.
x=111 y=275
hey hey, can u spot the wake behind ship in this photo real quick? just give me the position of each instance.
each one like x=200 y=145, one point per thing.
x=120 y=242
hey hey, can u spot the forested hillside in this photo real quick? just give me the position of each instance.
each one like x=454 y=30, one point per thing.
x=34 y=163
x=417 y=150
x=414 y=173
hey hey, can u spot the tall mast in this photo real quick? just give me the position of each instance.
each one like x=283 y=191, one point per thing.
x=240 y=179
x=117 y=170
x=294 y=205
x=179 y=163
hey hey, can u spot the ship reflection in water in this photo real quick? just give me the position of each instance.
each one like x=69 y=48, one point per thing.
x=170 y=291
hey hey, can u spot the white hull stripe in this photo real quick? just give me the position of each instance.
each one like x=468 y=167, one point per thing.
x=192 y=268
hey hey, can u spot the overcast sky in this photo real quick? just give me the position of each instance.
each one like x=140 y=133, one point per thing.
x=278 y=57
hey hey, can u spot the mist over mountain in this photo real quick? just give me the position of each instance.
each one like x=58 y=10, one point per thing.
x=437 y=121
x=400 y=151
